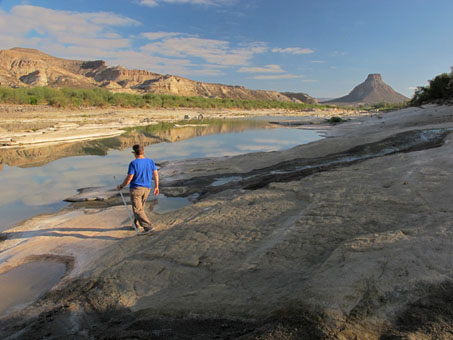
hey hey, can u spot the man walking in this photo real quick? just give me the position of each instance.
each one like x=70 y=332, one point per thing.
x=139 y=175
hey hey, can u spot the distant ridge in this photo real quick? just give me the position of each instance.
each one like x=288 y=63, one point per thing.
x=302 y=97
x=24 y=67
x=372 y=91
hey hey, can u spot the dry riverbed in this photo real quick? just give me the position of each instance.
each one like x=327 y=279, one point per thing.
x=349 y=237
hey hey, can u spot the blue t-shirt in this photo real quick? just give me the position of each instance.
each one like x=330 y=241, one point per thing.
x=142 y=169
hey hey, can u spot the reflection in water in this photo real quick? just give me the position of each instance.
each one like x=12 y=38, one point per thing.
x=162 y=132
x=30 y=191
x=167 y=204
x=24 y=284
x=18 y=210
x=33 y=156
x=221 y=181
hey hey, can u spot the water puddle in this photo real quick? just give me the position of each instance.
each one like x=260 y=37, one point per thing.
x=221 y=181
x=166 y=204
x=24 y=284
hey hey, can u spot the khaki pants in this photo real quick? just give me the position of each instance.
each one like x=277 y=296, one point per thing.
x=139 y=195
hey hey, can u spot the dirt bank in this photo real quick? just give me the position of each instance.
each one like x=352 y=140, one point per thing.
x=350 y=238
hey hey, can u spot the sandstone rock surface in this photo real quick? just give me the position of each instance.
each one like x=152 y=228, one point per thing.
x=355 y=249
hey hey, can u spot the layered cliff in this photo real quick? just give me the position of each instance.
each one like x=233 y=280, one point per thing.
x=301 y=97
x=29 y=67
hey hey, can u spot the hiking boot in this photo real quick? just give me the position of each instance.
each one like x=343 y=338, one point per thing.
x=146 y=231
x=139 y=228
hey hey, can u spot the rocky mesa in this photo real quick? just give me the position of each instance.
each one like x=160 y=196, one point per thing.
x=372 y=91
x=30 y=67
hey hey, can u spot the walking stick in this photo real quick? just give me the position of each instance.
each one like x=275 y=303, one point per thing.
x=128 y=211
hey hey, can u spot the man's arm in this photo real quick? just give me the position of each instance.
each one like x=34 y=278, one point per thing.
x=126 y=181
x=156 y=182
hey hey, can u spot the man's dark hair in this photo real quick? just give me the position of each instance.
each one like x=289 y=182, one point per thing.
x=138 y=149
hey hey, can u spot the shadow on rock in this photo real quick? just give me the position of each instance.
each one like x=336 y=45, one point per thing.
x=430 y=317
x=75 y=313
x=64 y=232
x=64 y=322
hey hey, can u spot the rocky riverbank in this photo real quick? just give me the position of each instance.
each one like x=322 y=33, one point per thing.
x=349 y=237
x=23 y=126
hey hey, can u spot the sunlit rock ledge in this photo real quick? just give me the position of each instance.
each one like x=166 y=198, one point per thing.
x=360 y=249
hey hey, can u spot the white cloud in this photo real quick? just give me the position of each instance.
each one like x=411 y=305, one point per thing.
x=195 y=2
x=293 y=50
x=159 y=35
x=278 y=76
x=181 y=46
x=150 y=3
x=153 y=3
x=257 y=148
x=278 y=72
x=44 y=19
x=212 y=51
x=262 y=141
x=100 y=43
x=318 y=61
x=78 y=35
x=97 y=35
x=62 y=29
x=181 y=67
x=265 y=69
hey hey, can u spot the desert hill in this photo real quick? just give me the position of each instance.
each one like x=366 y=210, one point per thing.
x=372 y=91
x=302 y=97
x=29 y=67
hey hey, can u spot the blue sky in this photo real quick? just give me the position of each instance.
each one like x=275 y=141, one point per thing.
x=322 y=47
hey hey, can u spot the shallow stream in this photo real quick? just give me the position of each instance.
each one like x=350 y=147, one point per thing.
x=40 y=185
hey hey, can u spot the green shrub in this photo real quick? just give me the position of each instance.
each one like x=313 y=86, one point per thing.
x=32 y=100
x=383 y=106
x=439 y=89
x=66 y=97
x=335 y=120
x=59 y=101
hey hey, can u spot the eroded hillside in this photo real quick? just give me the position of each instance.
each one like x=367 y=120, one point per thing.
x=29 y=67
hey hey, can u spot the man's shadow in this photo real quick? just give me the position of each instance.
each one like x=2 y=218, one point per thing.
x=67 y=232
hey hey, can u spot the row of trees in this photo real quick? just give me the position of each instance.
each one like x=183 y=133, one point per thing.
x=384 y=106
x=440 y=89
x=68 y=97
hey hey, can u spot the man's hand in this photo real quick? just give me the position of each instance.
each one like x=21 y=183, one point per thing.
x=156 y=182
x=126 y=181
